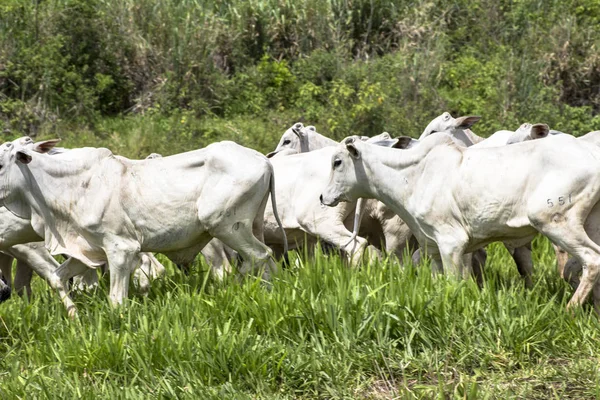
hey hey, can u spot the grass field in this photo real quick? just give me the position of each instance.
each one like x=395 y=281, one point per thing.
x=322 y=331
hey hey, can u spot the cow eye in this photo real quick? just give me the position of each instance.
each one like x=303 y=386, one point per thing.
x=337 y=163
x=287 y=141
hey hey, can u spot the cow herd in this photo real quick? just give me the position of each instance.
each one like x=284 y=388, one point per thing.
x=447 y=194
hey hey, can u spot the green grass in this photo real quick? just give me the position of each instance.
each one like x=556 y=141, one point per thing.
x=321 y=331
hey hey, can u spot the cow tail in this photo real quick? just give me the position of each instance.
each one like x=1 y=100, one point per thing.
x=274 y=204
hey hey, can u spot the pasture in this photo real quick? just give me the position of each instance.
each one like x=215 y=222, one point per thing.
x=163 y=76
x=321 y=331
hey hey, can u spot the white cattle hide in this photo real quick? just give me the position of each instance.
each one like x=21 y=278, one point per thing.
x=457 y=200
x=97 y=208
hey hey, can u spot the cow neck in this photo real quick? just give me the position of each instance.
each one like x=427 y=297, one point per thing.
x=317 y=141
x=391 y=173
x=44 y=174
x=69 y=163
x=473 y=137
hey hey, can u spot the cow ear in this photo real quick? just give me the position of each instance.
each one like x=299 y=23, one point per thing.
x=353 y=151
x=466 y=122
x=297 y=129
x=349 y=142
x=311 y=128
x=403 y=142
x=539 y=131
x=386 y=135
x=23 y=157
x=45 y=146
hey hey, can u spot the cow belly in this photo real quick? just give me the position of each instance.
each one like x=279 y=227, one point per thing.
x=172 y=238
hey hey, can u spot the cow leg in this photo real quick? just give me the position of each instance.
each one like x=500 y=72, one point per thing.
x=4 y=291
x=23 y=277
x=55 y=281
x=6 y=271
x=87 y=280
x=254 y=253
x=6 y=262
x=562 y=257
x=339 y=236
x=576 y=241
x=120 y=265
x=215 y=255
x=40 y=260
x=522 y=257
x=451 y=253
x=149 y=270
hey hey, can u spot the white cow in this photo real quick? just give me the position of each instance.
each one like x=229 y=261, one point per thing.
x=19 y=240
x=458 y=128
x=97 y=208
x=381 y=228
x=300 y=179
x=34 y=256
x=457 y=200
x=302 y=139
x=524 y=133
x=216 y=254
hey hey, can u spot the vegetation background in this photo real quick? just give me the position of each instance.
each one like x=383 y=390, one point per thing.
x=173 y=75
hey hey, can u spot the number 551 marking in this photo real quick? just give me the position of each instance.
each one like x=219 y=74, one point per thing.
x=562 y=200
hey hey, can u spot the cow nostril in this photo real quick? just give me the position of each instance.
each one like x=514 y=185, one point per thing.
x=321 y=198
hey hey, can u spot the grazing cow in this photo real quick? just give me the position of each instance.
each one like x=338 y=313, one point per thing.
x=97 y=208
x=457 y=200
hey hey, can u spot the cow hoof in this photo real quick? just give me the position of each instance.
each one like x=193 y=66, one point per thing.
x=72 y=312
x=5 y=293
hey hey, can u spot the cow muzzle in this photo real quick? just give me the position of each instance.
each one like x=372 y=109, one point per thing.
x=328 y=202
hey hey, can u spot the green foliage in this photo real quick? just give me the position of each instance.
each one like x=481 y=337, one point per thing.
x=355 y=67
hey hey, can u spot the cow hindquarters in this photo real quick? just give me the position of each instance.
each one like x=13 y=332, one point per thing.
x=570 y=234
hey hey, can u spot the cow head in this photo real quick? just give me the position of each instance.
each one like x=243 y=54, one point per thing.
x=293 y=138
x=458 y=128
x=376 y=138
x=348 y=178
x=346 y=173
x=14 y=156
x=527 y=132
